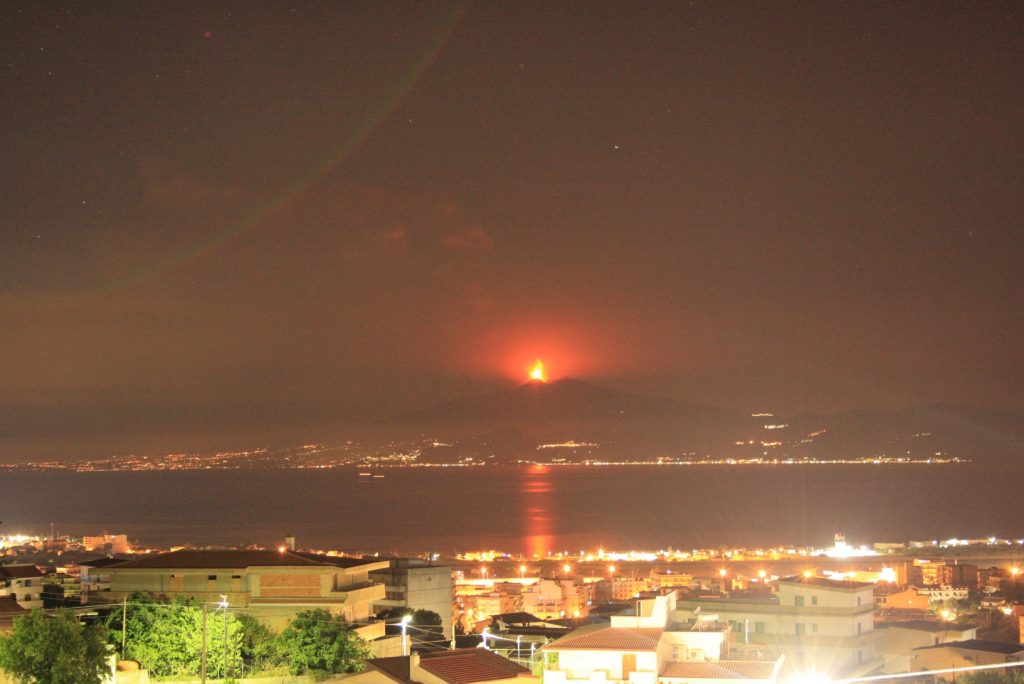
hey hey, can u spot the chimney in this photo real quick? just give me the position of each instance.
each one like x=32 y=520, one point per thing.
x=289 y=541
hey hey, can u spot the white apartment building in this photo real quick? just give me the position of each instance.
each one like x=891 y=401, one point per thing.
x=820 y=625
x=23 y=583
x=647 y=647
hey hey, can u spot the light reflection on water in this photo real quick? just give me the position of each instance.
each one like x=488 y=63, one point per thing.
x=536 y=492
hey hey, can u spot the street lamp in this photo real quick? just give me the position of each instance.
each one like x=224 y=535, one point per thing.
x=484 y=636
x=406 y=619
x=224 y=606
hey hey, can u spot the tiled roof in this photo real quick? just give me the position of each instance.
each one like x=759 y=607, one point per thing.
x=470 y=665
x=194 y=559
x=720 y=669
x=339 y=561
x=19 y=571
x=9 y=606
x=979 y=645
x=103 y=562
x=825 y=582
x=396 y=667
x=602 y=638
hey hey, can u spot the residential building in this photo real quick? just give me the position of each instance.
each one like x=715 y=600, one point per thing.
x=107 y=543
x=23 y=583
x=94 y=577
x=272 y=585
x=896 y=641
x=649 y=647
x=944 y=592
x=908 y=599
x=9 y=611
x=620 y=588
x=820 y=625
x=956 y=654
x=418 y=585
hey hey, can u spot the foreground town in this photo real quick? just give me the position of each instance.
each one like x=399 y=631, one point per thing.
x=704 y=617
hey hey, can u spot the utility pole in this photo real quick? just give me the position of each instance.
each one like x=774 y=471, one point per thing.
x=124 y=623
x=224 y=674
x=202 y=657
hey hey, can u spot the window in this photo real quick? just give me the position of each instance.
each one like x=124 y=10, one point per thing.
x=212 y=578
x=759 y=627
x=814 y=600
x=858 y=628
x=800 y=628
x=814 y=626
x=798 y=601
x=858 y=600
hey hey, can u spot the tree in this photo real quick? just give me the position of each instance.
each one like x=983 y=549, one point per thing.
x=258 y=648
x=166 y=637
x=318 y=640
x=990 y=677
x=54 y=650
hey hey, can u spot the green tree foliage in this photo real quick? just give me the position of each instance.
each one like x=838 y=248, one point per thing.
x=166 y=637
x=259 y=647
x=316 y=640
x=54 y=650
x=992 y=677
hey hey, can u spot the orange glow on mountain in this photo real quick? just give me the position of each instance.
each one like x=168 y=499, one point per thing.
x=537 y=372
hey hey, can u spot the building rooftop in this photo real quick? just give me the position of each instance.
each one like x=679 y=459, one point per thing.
x=19 y=571
x=926 y=626
x=461 y=666
x=470 y=665
x=720 y=669
x=9 y=608
x=396 y=667
x=603 y=638
x=519 y=618
x=979 y=645
x=103 y=562
x=191 y=558
x=825 y=582
x=339 y=561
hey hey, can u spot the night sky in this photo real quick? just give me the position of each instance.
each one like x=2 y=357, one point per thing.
x=221 y=224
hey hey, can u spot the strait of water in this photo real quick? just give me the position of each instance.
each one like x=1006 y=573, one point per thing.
x=523 y=509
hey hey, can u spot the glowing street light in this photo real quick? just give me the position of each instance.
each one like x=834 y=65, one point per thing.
x=522 y=571
x=762 y=574
x=566 y=568
x=406 y=619
x=611 y=570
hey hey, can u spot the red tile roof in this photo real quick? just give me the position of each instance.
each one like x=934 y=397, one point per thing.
x=602 y=638
x=396 y=667
x=469 y=665
x=195 y=559
x=9 y=607
x=720 y=669
x=19 y=571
